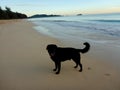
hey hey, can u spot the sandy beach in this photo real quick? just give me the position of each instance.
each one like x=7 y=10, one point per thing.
x=26 y=65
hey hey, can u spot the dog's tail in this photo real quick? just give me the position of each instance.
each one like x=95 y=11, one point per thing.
x=86 y=49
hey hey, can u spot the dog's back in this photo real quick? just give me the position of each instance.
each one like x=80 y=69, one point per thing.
x=66 y=53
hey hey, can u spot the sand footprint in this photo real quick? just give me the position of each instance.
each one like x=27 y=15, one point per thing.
x=89 y=68
x=107 y=74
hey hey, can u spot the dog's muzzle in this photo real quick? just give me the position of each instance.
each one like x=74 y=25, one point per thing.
x=52 y=54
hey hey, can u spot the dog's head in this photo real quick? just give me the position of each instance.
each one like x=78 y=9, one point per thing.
x=51 y=48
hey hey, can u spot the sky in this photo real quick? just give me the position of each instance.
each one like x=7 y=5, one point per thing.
x=62 y=7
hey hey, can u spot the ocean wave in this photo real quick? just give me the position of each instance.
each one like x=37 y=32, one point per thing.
x=76 y=26
x=93 y=29
x=117 y=21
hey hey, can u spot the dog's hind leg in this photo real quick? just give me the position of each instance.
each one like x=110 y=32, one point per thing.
x=76 y=64
x=80 y=67
x=77 y=59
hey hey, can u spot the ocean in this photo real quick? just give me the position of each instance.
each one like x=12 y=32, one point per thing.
x=100 y=28
x=101 y=31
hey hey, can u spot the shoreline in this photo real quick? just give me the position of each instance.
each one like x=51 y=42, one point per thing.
x=26 y=65
x=103 y=43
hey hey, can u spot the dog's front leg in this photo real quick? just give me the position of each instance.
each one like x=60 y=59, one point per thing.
x=59 y=67
x=55 y=66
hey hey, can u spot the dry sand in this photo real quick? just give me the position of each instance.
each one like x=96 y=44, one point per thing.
x=25 y=64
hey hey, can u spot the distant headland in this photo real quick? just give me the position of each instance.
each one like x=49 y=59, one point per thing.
x=44 y=15
x=79 y=14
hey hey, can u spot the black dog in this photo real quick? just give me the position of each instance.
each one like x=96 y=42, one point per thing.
x=59 y=54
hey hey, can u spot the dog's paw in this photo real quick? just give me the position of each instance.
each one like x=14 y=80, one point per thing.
x=54 y=69
x=80 y=70
x=57 y=72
